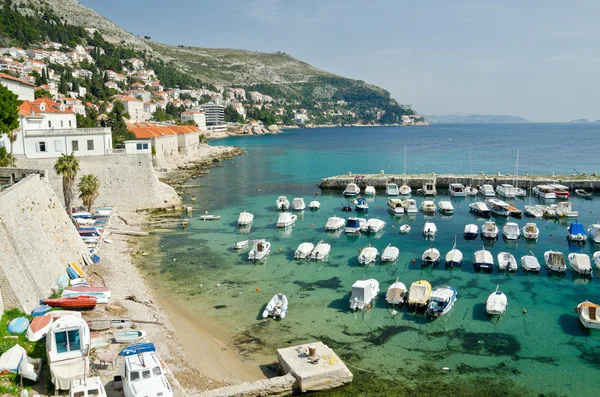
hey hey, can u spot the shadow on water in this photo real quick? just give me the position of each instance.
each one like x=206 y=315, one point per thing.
x=479 y=313
x=571 y=325
x=341 y=304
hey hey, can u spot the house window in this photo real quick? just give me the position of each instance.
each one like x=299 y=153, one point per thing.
x=61 y=124
x=67 y=341
x=69 y=123
x=58 y=146
x=75 y=146
x=49 y=124
x=90 y=144
x=142 y=146
x=40 y=146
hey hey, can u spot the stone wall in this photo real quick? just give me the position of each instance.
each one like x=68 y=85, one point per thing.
x=37 y=240
x=128 y=182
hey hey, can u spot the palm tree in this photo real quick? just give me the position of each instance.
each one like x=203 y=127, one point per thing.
x=67 y=166
x=88 y=190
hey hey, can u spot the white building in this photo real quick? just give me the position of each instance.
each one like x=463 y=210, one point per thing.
x=135 y=109
x=49 y=129
x=197 y=117
x=138 y=146
x=24 y=89
x=215 y=114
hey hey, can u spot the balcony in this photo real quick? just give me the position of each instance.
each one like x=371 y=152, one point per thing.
x=68 y=131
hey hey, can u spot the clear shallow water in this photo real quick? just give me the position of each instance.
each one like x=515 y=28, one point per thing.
x=545 y=349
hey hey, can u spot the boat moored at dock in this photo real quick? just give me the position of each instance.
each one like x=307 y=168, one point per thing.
x=351 y=190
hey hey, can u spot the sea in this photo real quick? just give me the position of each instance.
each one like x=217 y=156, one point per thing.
x=538 y=347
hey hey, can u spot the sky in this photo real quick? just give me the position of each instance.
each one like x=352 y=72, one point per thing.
x=535 y=59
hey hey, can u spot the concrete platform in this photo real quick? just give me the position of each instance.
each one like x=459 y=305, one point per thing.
x=329 y=372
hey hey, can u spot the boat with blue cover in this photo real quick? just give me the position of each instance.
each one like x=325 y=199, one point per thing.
x=576 y=233
x=72 y=273
x=441 y=301
x=361 y=204
x=136 y=349
x=40 y=310
x=18 y=325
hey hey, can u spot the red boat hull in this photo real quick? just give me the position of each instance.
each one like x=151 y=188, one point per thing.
x=78 y=302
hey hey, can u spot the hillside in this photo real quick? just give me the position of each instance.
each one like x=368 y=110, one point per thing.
x=329 y=98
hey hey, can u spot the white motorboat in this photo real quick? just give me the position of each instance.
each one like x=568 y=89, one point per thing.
x=368 y=255
x=353 y=225
x=555 y=261
x=321 y=251
x=480 y=208
x=68 y=347
x=429 y=188
x=520 y=192
x=286 y=219
x=489 y=230
x=390 y=253
x=594 y=232
x=576 y=233
x=260 y=249
x=373 y=225
x=584 y=193
x=530 y=263
x=534 y=211
x=496 y=303
x=454 y=257
x=370 y=191
x=335 y=223
x=87 y=387
x=580 y=263
x=441 y=301
x=282 y=203
x=396 y=293
x=431 y=256
x=363 y=293
x=392 y=189
x=351 y=190
x=499 y=207
x=545 y=192
x=471 y=191
x=564 y=209
x=530 y=231
x=511 y=231
x=457 y=190
x=487 y=191
x=561 y=191
x=428 y=207
x=303 y=251
x=405 y=229
x=395 y=206
x=505 y=190
x=298 y=204
x=210 y=217
x=419 y=293
x=277 y=307
x=361 y=204
x=596 y=259
x=142 y=373
x=314 y=205
x=588 y=314
x=507 y=261
x=549 y=211
x=429 y=229
x=471 y=231
x=445 y=207
x=245 y=219
x=483 y=259
x=410 y=206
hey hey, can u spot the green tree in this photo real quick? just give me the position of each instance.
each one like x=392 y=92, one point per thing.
x=232 y=116
x=62 y=86
x=88 y=190
x=116 y=122
x=67 y=166
x=9 y=117
x=5 y=158
x=160 y=115
x=42 y=94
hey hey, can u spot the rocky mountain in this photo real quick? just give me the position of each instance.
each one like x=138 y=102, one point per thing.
x=475 y=118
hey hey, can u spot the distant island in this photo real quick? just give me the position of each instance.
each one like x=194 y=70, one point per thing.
x=474 y=118
x=583 y=121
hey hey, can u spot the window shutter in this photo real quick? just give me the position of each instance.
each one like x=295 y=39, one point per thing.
x=37 y=147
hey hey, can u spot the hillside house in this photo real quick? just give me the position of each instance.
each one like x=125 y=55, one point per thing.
x=24 y=89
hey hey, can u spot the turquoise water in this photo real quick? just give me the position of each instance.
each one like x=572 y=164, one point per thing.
x=545 y=349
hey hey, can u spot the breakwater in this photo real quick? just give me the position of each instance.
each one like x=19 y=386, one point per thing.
x=443 y=181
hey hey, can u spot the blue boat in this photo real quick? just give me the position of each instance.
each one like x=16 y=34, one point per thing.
x=137 y=348
x=577 y=233
x=441 y=301
x=72 y=273
x=40 y=310
x=361 y=204
x=18 y=325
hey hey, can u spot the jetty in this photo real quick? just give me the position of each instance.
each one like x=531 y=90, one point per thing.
x=443 y=181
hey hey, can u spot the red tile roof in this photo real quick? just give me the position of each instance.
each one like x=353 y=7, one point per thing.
x=29 y=108
x=144 y=130
x=7 y=77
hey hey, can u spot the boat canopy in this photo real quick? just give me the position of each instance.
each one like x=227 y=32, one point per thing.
x=483 y=256
x=556 y=258
x=442 y=294
x=419 y=293
x=361 y=201
x=576 y=228
x=395 y=203
x=353 y=223
x=362 y=291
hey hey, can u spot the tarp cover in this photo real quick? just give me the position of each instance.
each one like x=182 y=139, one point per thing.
x=65 y=371
x=419 y=293
x=483 y=257
x=576 y=228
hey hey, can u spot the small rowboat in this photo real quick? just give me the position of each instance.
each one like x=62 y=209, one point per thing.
x=62 y=313
x=76 y=302
x=241 y=245
x=40 y=310
x=82 y=289
x=129 y=336
x=39 y=327
x=18 y=325
x=138 y=348
x=104 y=323
x=583 y=193
x=209 y=217
x=77 y=268
x=405 y=229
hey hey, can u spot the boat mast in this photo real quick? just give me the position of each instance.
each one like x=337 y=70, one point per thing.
x=516 y=170
x=405 y=164
x=470 y=172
